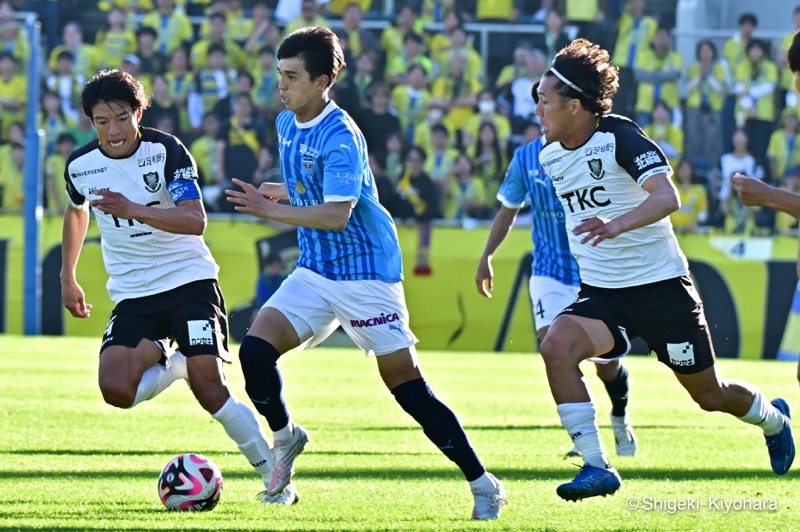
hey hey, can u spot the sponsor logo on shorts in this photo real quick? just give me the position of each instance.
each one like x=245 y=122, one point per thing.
x=681 y=354
x=378 y=320
x=200 y=332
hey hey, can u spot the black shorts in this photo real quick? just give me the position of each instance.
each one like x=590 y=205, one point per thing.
x=667 y=315
x=193 y=315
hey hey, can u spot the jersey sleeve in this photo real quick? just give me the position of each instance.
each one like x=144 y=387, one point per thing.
x=75 y=198
x=638 y=154
x=343 y=170
x=180 y=172
x=512 y=191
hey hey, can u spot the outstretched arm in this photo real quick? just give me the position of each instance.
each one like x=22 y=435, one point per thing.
x=502 y=224
x=756 y=192
x=330 y=216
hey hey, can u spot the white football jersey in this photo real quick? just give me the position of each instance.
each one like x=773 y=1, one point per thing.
x=142 y=260
x=604 y=178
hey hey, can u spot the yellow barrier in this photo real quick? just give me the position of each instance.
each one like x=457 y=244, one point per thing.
x=436 y=312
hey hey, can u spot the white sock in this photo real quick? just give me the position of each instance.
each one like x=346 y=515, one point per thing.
x=241 y=424
x=283 y=435
x=580 y=420
x=483 y=484
x=155 y=380
x=764 y=415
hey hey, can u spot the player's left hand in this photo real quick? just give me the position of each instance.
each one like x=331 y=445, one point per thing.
x=250 y=200
x=596 y=230
x=115 y=204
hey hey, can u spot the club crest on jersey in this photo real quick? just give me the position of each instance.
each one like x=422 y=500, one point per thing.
x=308 y=166
x=151 y=182
x=596 y=168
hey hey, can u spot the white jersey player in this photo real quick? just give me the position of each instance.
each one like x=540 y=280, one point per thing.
x=614 y=184
x=142 y=185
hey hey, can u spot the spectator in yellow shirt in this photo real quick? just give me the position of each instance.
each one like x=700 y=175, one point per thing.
x=440 y=161
x=393 y=36
x=309 y=16
x=487 y=112
x=756 y=82
x=84 y=56
x=783 y=152
x=694 y=199
x=173 y=27
x=337 y=8
x=665 y=133
x=413 y=46
x=658 y=70
x=199 y=53
x=13 y=89
x=467 y=192
x=115 y=41
x=410 y=101
x=13 y=38
x=54 y=167
x=636 y=31
x=11 y=179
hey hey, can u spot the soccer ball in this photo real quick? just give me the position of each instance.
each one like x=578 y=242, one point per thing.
x=190 y=482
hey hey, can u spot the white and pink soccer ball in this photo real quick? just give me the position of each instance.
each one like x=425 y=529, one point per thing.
x=190 y=482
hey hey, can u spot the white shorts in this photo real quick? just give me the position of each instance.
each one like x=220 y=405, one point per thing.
x=549 y=297
x=372 y=313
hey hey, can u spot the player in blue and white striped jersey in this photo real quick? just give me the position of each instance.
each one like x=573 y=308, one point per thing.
x=555 y=279
x=349 y=272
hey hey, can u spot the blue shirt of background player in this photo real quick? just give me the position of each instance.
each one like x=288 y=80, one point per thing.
x=325 y=160
x=526 y=178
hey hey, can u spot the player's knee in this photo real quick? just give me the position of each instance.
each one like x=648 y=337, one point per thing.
x=211 y=394
x=117 y=394
x=555 y=351
x=255 y=353
x=710 y=401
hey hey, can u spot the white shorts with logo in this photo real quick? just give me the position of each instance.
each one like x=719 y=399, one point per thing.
x=372 y=313
x=549 y=297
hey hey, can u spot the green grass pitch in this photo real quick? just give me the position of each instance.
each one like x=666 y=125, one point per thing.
x=70 y=462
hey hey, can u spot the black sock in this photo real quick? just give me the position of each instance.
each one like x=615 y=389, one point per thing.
x=440 y=425
x=618 y=392
x=263 y=381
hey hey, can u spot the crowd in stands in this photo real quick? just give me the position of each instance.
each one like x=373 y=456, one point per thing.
x=441 y=124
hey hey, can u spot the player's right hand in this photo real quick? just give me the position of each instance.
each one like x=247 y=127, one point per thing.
x=484 y=279
x=74 y=301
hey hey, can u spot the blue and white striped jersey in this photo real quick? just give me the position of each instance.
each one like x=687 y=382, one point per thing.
x=325 y=160
x=525 y=177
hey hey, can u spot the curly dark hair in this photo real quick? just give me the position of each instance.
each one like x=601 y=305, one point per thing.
x=113 y=86
x=588 y=67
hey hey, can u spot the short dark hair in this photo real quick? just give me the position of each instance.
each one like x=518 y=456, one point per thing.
x=216 y=47
x=65 y=137
x=748 y=18
x=113 y=86
x=705 y=42
x=146 y=30
x=319 y=49
x=588 y=67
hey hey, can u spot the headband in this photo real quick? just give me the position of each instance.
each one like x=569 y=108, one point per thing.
x=565 y=80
